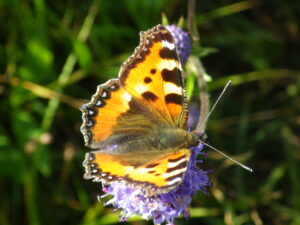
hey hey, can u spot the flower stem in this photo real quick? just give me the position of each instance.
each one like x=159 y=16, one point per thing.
x=200 y=70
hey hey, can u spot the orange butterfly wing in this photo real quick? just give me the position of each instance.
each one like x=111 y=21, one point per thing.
x=150 y=86
x=153 y=75
x=101 y=113
x=113 y=115
x=158 y=174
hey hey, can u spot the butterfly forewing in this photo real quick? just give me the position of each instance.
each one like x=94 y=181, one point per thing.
x=153 y=75
x=100 y=114
x=114 y=116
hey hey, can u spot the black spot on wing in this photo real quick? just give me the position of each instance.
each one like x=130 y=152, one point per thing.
x=147 y=38
x=163 y=35
x=153 y=71
x=167 y=53
x=147 y=80
x=152 y=165
x=149 y=96
x=174 y=98
x=176 y=159
x=167 y=36
x=138 y=57
x=172 y=76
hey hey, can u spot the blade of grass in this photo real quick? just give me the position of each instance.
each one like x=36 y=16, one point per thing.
x=291 y=144
x=197 y=68
x=205 y=212
x=30 y=186
x=69 y=66
x=238 y=79
x=42 y=91
x=227 y=10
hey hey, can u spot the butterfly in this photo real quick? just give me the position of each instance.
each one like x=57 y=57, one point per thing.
x=137 y=122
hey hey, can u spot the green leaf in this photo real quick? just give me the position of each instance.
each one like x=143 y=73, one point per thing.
x=190 y=85
x=164 y=19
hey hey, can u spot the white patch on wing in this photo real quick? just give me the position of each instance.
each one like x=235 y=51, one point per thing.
x=178 y=179
x=143 y=170
x=168 y=45
x=172 y=88
x=168 y=64
x=174 y=173
x=174 y=164
x=140 y=88
x=126 y=96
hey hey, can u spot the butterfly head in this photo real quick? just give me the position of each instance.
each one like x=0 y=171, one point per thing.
x=195 y=137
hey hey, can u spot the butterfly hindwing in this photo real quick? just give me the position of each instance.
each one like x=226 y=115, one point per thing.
x=163 y=173
x=159 y=173
x=153 y=75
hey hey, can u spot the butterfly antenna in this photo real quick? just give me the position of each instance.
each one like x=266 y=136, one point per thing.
x=204 y=122
x=228 y=157
x=212 y=109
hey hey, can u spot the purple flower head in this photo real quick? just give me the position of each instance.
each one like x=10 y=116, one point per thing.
x=162 y=208
x=182 y=41
x=193 y=116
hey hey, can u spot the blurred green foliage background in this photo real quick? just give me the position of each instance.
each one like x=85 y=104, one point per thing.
x=54 y=53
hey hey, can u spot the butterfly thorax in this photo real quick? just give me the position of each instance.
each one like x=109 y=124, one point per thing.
x=166 y=138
